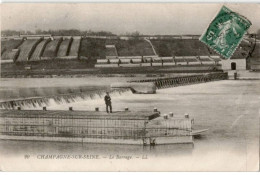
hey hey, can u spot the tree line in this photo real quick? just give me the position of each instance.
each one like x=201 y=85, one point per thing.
x=62 y=32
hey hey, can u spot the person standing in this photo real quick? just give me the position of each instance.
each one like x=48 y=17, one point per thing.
x=108 y=102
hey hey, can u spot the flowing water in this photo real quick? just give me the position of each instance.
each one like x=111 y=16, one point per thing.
x=230 y=109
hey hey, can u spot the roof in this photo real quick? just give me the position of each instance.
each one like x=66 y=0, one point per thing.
x=117 y=115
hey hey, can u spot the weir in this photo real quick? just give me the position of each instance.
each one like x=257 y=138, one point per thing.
x=168 y=82
x=42 y=97
x=58 y=98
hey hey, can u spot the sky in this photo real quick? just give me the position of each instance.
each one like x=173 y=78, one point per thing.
x=120 y=18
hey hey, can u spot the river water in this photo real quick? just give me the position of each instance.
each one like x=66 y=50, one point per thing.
x=230 y=109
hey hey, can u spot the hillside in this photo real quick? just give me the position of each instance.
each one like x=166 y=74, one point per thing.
x=133 y=48
x=74 y=48
x=64 y=48
x=93 y=48
x=39 y=50
x=180 y=47
x=51 y=48
x=102 y=48
x=26 y=49
x=8 y=45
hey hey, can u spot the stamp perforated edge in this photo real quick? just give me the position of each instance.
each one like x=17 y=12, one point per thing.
x=200 y=39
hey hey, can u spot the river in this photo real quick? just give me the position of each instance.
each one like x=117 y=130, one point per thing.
x=230 y=109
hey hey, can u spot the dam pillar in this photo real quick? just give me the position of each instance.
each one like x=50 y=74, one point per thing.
x=171 y=114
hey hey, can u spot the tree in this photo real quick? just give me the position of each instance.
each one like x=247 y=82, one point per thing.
x=61 y=32
x=136 y=35
x=38 y=31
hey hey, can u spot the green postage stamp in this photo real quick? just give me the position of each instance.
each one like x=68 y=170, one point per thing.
x=225 y=32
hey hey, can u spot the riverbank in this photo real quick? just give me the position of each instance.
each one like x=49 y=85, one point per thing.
x=75 y=68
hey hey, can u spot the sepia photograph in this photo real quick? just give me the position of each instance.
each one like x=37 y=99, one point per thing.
x=130 y=87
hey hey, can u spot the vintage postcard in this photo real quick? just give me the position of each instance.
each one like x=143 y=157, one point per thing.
x=130 y=87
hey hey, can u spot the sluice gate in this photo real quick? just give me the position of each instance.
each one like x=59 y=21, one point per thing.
x=168 y=82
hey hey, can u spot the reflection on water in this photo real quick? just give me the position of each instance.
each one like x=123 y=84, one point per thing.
x=36 y=148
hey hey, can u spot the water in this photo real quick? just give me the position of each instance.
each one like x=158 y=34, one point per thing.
x=230 y=109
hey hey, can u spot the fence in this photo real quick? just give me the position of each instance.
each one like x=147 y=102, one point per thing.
x=125 y=127
x=59 y=126
x=92 y=126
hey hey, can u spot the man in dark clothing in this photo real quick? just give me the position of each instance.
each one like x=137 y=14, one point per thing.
x=108 y=102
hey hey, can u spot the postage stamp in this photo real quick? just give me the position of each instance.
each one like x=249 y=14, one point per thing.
x=225 y=32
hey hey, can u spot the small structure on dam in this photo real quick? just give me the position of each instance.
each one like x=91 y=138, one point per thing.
x=136 y=88
x=122 y=127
